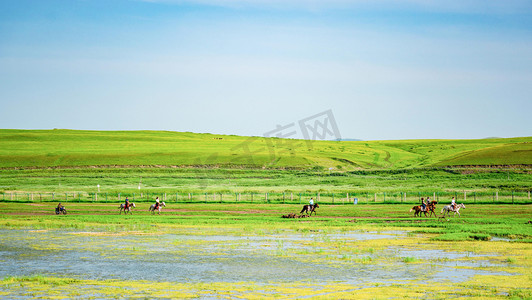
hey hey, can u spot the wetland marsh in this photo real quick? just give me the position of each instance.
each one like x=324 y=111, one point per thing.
x=248 y=251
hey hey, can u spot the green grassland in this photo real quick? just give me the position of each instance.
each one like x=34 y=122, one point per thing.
x=67 y=148
x=477 y=222
x=72 y=160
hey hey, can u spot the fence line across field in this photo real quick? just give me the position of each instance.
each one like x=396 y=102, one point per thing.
x=279 y=198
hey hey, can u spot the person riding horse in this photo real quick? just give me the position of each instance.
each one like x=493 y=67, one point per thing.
x=311 y=203
x=423 y=205
x=453 y=204
x=59 y=209
x=126 y=204
x=157 y=204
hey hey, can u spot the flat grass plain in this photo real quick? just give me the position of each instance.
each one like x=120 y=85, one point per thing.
x=171 y=162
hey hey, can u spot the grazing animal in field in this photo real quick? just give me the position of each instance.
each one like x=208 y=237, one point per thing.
x=308 y=208
x=289 y=216
x=126 y=209
x=152 y=208
x=447 y=209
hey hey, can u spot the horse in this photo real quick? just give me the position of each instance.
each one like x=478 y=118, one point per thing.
x=126 y=210
x=307 y=208
x=429 y=208
x=152 y=208
x=418 y=211
x=448 y=209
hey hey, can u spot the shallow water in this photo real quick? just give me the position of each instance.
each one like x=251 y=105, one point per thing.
x=225 y=258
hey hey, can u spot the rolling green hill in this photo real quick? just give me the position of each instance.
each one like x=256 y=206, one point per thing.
x=75 y=148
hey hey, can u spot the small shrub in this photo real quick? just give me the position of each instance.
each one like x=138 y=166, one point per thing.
x=409 y=259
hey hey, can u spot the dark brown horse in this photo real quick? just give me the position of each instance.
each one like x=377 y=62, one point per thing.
x=431 y=207
x=308 y=208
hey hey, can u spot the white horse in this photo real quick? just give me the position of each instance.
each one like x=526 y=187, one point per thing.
x=126 y=210
x=152 y=208
x=448 y=209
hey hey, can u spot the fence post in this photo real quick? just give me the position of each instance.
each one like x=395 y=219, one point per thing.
x=299 y=198
x=384 y=197
x=474 y=197
x=497 y=196
x=465 y=196
x=512 y=197
x=205 y=197
x=333 y=197
x=375 y=198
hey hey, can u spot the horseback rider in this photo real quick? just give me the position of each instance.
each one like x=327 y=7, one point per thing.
x=453 y=204
x=59 y=208
x=311 y=204
x=157 y=204
x=423 y=204
x=126 y=204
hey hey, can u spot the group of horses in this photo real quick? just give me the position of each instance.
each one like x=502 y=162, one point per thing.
x=308 y=210
x=431 y=207
x=152 y=208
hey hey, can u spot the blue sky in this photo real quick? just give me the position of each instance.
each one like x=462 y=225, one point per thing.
x=386 y=69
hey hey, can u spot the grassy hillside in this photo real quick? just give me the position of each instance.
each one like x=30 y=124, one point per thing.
x=72 y=148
